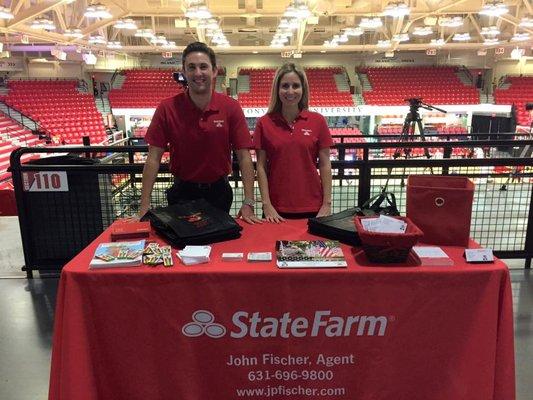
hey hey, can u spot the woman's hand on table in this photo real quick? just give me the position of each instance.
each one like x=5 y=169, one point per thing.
x=271 y=215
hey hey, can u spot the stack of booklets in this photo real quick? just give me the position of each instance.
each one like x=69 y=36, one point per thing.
x=192 y=255
x=309 y=254
x=118 y=254
x=432 y=256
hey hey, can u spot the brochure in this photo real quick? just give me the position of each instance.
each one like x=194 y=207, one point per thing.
x=309 y=254
x=118 y=254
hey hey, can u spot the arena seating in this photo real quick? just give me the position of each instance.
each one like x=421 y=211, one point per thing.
x=518 y=93
x=322 y=87
x=323 y=90
x=13 y=136
x=62 y=111
x=260 y=86
x=144 y=88
x=434 y=85
x=353 y=135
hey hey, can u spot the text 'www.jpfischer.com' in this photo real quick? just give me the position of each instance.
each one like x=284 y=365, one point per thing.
x=274 y=391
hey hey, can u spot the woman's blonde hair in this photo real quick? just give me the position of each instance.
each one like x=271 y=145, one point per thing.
x=275 y=102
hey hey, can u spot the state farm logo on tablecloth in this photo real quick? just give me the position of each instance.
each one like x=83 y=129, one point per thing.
x=203 y=323
x=254 y=325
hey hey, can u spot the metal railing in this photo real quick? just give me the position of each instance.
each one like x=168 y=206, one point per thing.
x=19 y=116
x=56 y=225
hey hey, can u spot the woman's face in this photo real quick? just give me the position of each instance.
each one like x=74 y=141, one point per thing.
x=290 y=89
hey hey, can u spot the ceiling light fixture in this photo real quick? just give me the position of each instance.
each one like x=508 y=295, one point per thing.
x=97 y=10
x=490 y=41
x=114 y=45
x=169 y=46
x=494 y=8
x=437 y=42
x=43 y=23
x=73 y=33
x=144 y=33
x=400 y=37
x=5 y=13
x=490 y=30
x=450 y=22
x=524 y=22
x=422 y=31
x=97 y=39
x=357 y=31
x=396 y=9
x=520 y=37
x=158 y=40
x=294 y=15
x=370 y=23
x=125 y=24
x=461 y=37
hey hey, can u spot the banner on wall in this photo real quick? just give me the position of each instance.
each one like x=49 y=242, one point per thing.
x=11 y=64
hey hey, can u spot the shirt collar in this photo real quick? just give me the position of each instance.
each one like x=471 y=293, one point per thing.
x=303 y=114
x=213 y=105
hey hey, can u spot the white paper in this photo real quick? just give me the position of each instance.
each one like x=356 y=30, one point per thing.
x=233 y=256
x=265 y=256
x=192 y=260
x=195 y=251
x=384 y=224
x=479 y=255
x=429 y=252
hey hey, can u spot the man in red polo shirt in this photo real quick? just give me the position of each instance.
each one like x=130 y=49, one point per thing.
x=200 y=128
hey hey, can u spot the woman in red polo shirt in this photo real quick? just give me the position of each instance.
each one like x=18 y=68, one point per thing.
x=289 y=141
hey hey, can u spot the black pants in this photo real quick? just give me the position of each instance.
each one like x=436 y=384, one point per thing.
x=218 y=194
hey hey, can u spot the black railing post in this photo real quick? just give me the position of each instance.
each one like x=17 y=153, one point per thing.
x=24 y=224
x=529 y=234
x=365 y=174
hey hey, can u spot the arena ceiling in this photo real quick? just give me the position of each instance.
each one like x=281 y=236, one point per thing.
x=247 y=26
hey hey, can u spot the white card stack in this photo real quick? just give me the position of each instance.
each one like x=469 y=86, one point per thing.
x=191 y=255
x=384 y=224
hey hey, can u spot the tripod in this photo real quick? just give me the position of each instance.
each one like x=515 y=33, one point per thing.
x=411 y=122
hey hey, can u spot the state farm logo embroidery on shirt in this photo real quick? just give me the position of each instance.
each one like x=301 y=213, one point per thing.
x=307 y=132
x=219 y=123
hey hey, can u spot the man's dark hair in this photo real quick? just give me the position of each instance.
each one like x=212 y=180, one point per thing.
x=529 y=106
x=202 y=48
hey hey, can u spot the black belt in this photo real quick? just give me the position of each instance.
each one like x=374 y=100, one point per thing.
x=199 y=185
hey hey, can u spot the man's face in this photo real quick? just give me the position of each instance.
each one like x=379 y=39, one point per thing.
x=199 y=72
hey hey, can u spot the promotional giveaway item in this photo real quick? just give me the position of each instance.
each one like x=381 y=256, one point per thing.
x=155 y=255
x=193 y=223
x=309 y=254
x=118 y=254
x=259 y=256
x=441 y=206
x=127 y=229
x=387 y=247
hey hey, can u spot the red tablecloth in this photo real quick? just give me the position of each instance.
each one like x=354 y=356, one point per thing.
x=428 y=333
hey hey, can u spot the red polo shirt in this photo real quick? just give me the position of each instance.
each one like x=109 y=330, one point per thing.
x=200 y=142
x=292 y=156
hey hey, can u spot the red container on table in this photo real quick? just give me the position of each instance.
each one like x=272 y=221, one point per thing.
x=441 y=206
x=387 y=248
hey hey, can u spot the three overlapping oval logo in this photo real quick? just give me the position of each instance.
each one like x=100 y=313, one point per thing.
x=203 y=323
